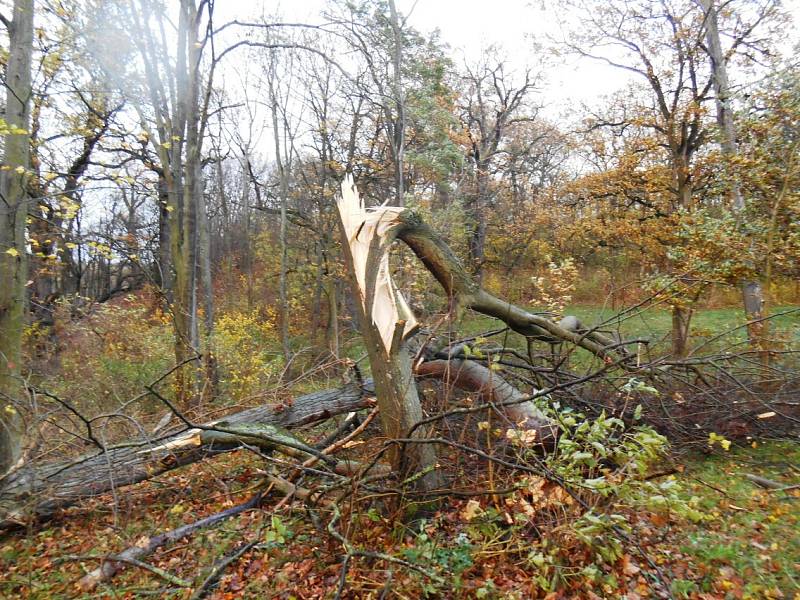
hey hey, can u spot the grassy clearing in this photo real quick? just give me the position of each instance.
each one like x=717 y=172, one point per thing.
x=655 y=323
x=751 y=547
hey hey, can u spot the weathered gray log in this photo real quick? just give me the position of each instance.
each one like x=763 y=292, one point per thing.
x=36 y=491
x=491 y=387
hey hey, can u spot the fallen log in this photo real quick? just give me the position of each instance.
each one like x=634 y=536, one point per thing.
x=37 y=491
x=464 y=292
x=491 y=387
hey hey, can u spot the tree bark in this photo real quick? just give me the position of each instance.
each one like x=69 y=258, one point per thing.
x=13 y=215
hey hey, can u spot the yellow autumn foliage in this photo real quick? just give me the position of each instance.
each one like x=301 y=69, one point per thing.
x=249 y=350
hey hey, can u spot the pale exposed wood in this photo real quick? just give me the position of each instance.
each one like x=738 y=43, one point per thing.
x=365 y=228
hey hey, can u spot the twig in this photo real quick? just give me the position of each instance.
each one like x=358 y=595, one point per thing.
x=165 y=575
x=223 y=564
x=343 y=576
x=769 y=484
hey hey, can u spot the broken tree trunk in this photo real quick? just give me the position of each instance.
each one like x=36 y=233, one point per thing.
x=386 y=322
x=38 y=491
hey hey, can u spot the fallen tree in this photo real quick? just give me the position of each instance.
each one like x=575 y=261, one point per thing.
x=36 y=491
x=387 y=323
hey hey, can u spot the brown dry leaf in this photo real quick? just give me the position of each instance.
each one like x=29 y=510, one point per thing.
x=471 y=510
x=628 y=567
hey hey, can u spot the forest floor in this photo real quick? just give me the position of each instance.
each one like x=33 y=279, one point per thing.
x=748 y=546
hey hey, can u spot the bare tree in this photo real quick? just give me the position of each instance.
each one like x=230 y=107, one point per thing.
x=492 y=103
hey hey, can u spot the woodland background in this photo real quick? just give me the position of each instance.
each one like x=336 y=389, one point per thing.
x=171 y=255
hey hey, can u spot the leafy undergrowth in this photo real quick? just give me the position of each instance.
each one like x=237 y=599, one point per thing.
x=746 y=547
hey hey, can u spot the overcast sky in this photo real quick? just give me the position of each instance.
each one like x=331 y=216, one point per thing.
x=469 y=26
x=521 y=27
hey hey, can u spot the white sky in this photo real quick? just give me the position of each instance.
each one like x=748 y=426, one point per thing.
x=468 y=27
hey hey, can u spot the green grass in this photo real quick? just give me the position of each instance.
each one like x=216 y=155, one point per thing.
x=752 y=543
x=654 y=324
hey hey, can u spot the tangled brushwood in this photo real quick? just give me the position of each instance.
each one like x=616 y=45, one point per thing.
x=534 y=445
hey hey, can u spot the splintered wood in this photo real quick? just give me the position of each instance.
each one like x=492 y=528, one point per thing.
x=368 y=229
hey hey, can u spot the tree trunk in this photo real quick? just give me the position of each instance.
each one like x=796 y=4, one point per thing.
x=247 y=251
x=752 y=295
x=283 y=301
x=477 y=214
x=185 y=173
x=399 y=123
x=385 y=322
x=13 y=215
x=164 y=276
x=681 y=319
x=333 y=317
x=209 y=353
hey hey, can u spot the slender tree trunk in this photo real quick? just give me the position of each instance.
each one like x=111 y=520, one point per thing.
x=752 y=292
x=284 y=193
x=164 y=275
x=476 y=211
x=316 y=302
x=204 y=253
x=333 y=317
x=399 y=125
x=247 y=252
x=681 y=320
x=682 y=311
x=13 y=215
